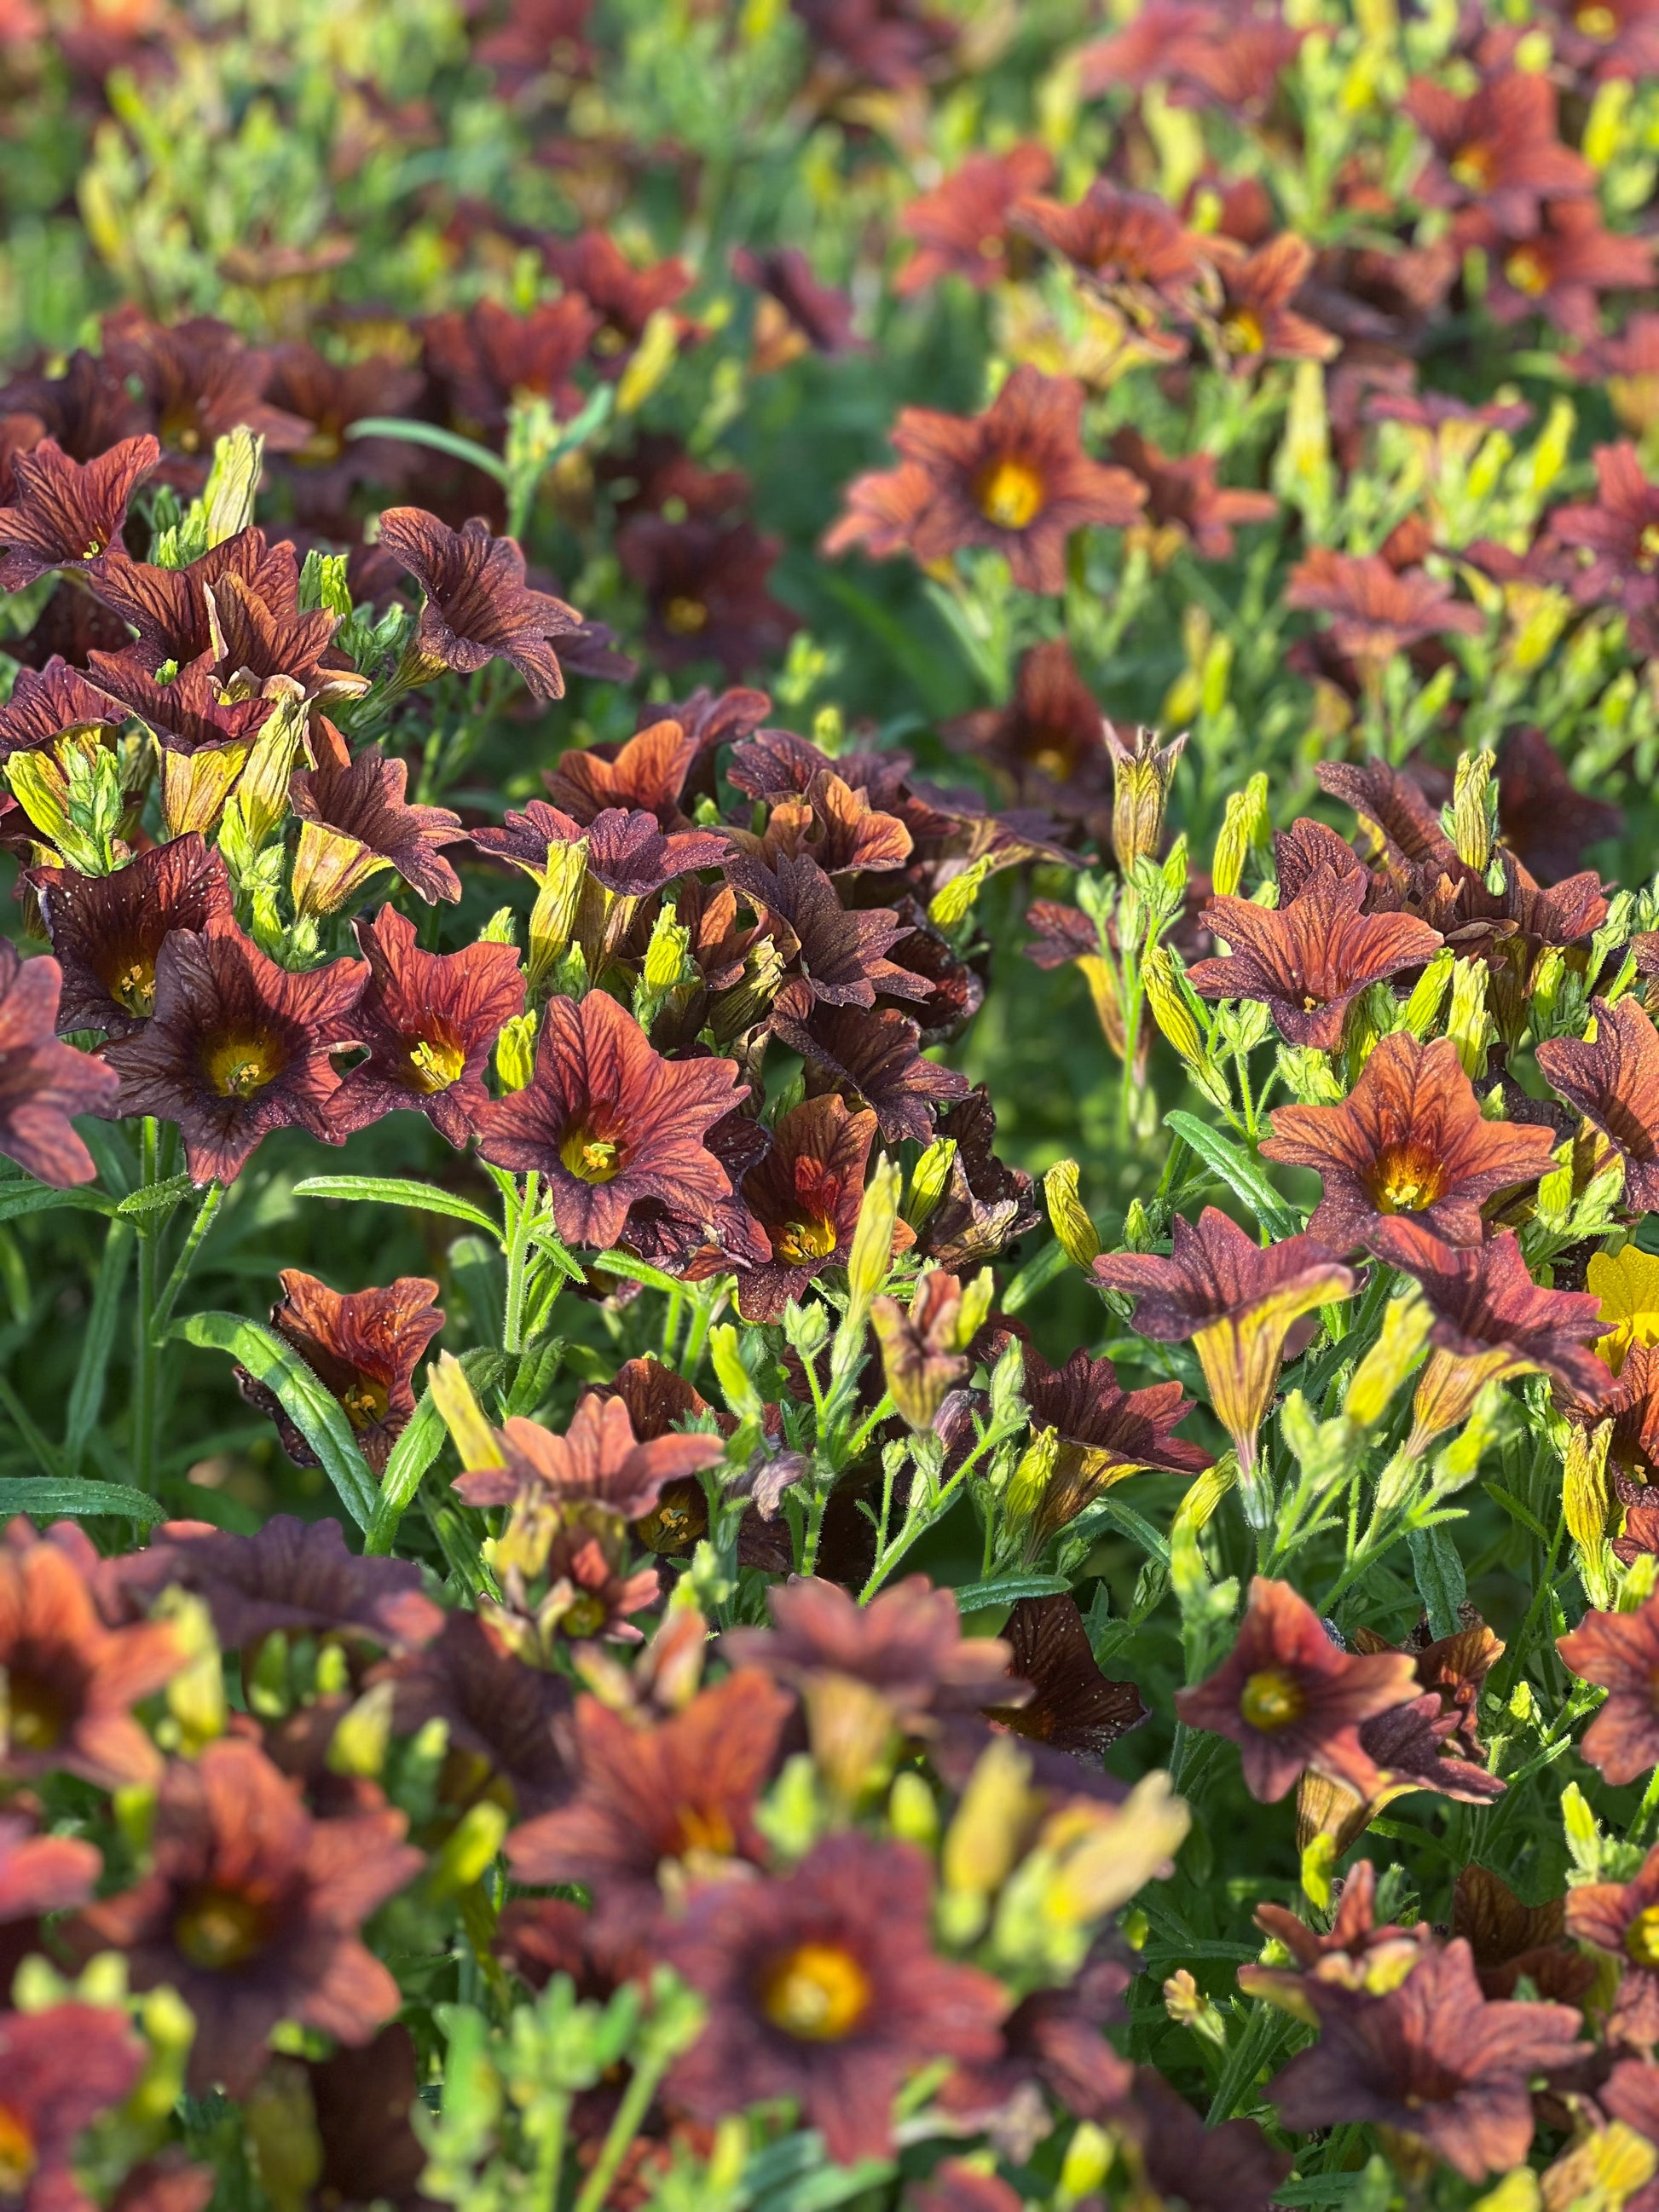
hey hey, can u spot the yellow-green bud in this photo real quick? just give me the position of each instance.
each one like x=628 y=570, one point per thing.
x=1473 y=811
x=929 y=1180
x=1242 y=825
x=1141 y=773
x=1162 y=980
x=1074 y=1231
x=1405 y=1322
x=515 y=1052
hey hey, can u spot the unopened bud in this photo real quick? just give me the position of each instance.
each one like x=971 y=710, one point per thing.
x=474 y=1439
x=1139 y=1234
x=929 y=1180
x=553 y=917
x=1028 y=1486
x=1074 y=1231
x=1422 y=1008
x=1170 y=997
x=1142 y=771
x=1243 y=825
x=1468 y=1025
x=515 y=1052
x=1474 y=810
x=1406 y=1323
x=952 y=903
x=360 y=1742
x=228 y=496
x=873 y=1241
x=1586 y=1498
x=983 y=1842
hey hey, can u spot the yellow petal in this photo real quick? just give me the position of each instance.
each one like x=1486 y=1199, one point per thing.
x=1627 y=1284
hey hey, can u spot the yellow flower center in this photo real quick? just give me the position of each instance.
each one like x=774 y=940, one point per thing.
x=685 y=616
x=238 y=1066
x=134 y=987
x=1051 y=759
x=818 y=1992
x=800 y=1242
x=595 y=1159
x=1642 y=1937
x=219 y=1928
x=705 y=1828
x=1647 y=547
x=1526 y=271
x=1407 y=1182
x=1272 y=1700
x=17 y=2155
x=1473 y=167
x=1597 y=21
x=1009 y=493
x=1243 y=332
x=434 y=1064
x=585 y=1616
x=325 y=444
x=33 y=1714
x=365 y=1402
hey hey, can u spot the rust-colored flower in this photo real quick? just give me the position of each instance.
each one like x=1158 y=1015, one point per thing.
x=252 y=1910
x=1620 y=531
x=1614 y=1083
x=1509 y=1939
x=328 y=397
x=598 y=1461
x=1377 y=610
x=1410 y=1138
x=44 y=703
x=624 y=298
x=706 y=581
x=609 y=1123
x=1491 y=1320
x=198 y=380
x=1133 y=245
x=1560 y=267
x=509 y=1724
x=1049 y=740
x=191 y=710
x=1619 y=1652
x=1256 y=321
x=882 y=511
x=59 y=2069
x=1542 y=812
x=65 y=513
x=796 y=314
x=107 y=931
x=85 y=407
x=822 y=1987
x=363 y=1347
x=1308 y=960
x=841 y=952
x=1185 y=505
x=1622 y=1918
x=1014 y=480
x=1236 y=1301
x=1106 y=1433
x=1073 y=1704
x=806 y=1194
x=479 y=607
x=236 y=1046
x=430 y=1021
x=956 y=2186
x=874 y=1058
x=363 y=2100
x=71 y=1682
x=647 y=774
x=1498 y=147
x=489 y=356
x=1432 y=2059
x=294 y=1577
x=44 y=1084
x=626 y=852
x=369 y=824
x=1229 y=2168
x=1291 y=1698
x=962 y=228
x=174 y=609
x=684 y=1789
x=1354 y=1952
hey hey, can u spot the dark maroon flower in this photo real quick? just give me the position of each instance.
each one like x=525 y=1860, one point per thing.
x=796 y=313
x=624 y=298
x=806 y=1194
x=1410 y=1138
x=63 y=512
x=1049 y=741
x=627 y=853
x=1560 y=267
x=328 y=397
x=1377 y=611
x=87 y=408
x=507 y=1723
x=1620 y=531
x=489 y=356
x=190 y=712
x=1073 y=1704
x=1393 y=807
x=1184 y=503
x=1256 y=321
x=1614 y=1083
x=874 y=1058
x=841 y=952
x=1289 y=1698
x=1431 y=2059
x=610 y=1123
x=1498 y=147
x=962 y=228
x=362 y=2100
x=294 y=1577
x=1509 y=1939
x=363 y=1347
x=1229 y=2168
x=174 y=609
x=1619 y=1651
x=706 y=585
x=71 y=627
x=956 y=2186
x=822 y=1987
x=252 y=1910
x=1308 y=961
x=1542 y=812
x=44 y=704
x=430 y=1021
x=1106 y=1434
x=107 y=931
x=59 y=2070
x=479 y=607
x=361 y=802
x=894 y=45
x=236 y=1046
x=198 y=380
x=44 y=1084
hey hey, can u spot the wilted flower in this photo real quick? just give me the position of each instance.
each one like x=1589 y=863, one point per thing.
x=1072 y=1705
x=252 y=1910
x=610 y=1123
x=962 y=227
x=43 y=1082
x=294 y=1577
x=921 y=1362
x=236 y=1046
x=479 y=607
x=363 y=1347
x=1308 y=961
x=822 y=1987
x=1619 y=1652
x=59 y=2069
x=1291 y=1698
x=1431 y=2059
x=65 y=513
x=1410 y=1138
x=1378 y=610
x=430 y=1021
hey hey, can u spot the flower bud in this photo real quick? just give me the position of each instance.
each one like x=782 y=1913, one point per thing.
x=195 y=786
x=1406 y=1323
x=873 y=1241
x=1474 y=810
x=1468 y=1025
x=452 y=1394
x=1586 y=1498
x=228 y=496
x=1170 y=999
x=1028 y=1486
x=929 y=1180
x=1243 y=825
x=1141 y=775
x=553 y=917
x=515 y=1052
x=919 y=1367
x=330 y=868
x=1422 y=1008
x=1073 y=1230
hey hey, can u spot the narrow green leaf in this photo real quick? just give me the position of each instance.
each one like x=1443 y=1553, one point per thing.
x=433 y=434
x=398 y=1190
x=618 y=1263
x=1008 y=1589
x=52 y=1497
x=152 y=1195
x=1518 y=1511
x=312 y=1411
x=1034 y=1276
x=1235 y=1167
x=1127 y=1522
x=1438 y=1573
x=86 y=1398
x=413 y=1453
x=32 y=1197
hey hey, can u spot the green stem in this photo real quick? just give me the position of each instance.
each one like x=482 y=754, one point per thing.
x=212 y=1200
x=144 y=1373
x=550 y=2153
x=518 y=1271
x=630 y=2115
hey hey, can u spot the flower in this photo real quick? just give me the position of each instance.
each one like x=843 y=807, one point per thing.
x=649 y=771
x=1106 y=1433
x=598 y=1461
x=1619 y=1652
x=294 y=1577
x=1133 y=245
x=71 y=1682
x=1014 y=480
x=1611 y=1080
x=1558 y=267
x=363 y=1347
x=796 y=314
x=44 y=704
x=821 y=1987
x=107 y=931
x=1620 y=530
x=1237 y=1303
x=1491 y=1320
x=962 y=227
x=198 y=380
x=1229 y=2168
x=1291 y=1698
x=882 y=511
x=610 y=1123
x=705 y=582
x=1498 y=147
x=841 y=952
x=361 y=802
x=1377 y=610
x=1308 y=961
x=489 y=356
x=43 y=1082
x=1542 y=812
x=252 y=1910
x=174 y=609
x=1255 y=321
x=59 y=2069
x=1622 y=1918
x=236 y=1046
x=956 y=2186
x=1073 y=1704
x=594 y=268
x=65 y=513
x=430 y=1021
x=1410 y=1138
x=920 y=1362
x=806 y=1194
x=1509 y=1939
x=508 y=1725
x=329 y=397
x=479 y=607
x=1431 y=2059
x=684 y=1789
x=627 y=851
x=1049 y=740
x=1184 y=503
x=362 y=2100
x=876 y=1058
x=1394 y=808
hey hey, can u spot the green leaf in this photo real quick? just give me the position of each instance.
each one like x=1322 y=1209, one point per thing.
x=314 y=1412
x=430 y=434
x=411 y=1456
x=1114 y=1514
x=51 y=1497
x=398 y=1190
x=1518 y=1511
x=40 y=1198
x=147 y=1199
x=1035 y=1275
x=1008 y=1589
x=1241 y=1173
x=1438 y=1573
x=636 y=1271
x=86 y=1398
